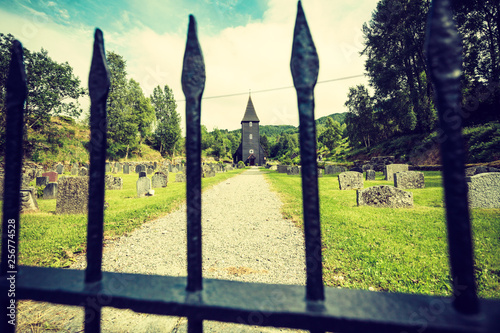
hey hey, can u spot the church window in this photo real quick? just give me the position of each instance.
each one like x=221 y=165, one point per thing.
x=250 y=124
x=250 y=136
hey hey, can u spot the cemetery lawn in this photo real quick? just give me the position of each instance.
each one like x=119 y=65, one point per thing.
x=395 y=250
x=51 y=240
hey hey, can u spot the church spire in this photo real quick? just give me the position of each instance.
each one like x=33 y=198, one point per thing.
x=250 y=114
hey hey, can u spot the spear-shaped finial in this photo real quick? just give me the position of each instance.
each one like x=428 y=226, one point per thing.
x=193 y=71
x=99 y=82
x=305 y=62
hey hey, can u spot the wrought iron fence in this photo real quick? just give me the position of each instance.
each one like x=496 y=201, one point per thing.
x=314 y=308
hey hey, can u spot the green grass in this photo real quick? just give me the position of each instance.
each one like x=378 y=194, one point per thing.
x=47 y=239
x=396 y=250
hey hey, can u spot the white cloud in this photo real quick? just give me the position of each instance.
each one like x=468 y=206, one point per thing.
x=255 y=56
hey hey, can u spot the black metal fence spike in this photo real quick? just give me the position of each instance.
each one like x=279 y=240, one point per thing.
x=193 y=83
x=304 y=63
x=444 y=55
x=16 y=92
x=305 y=67
x=99 y=82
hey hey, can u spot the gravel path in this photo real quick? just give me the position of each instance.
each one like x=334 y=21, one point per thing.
x=245 y=238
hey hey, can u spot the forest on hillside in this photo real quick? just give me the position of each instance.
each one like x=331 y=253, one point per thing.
x=395 y=114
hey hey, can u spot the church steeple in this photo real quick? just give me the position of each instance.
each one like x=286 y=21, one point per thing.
x=250 y=114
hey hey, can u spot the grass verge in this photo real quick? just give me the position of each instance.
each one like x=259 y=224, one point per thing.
x=51 y=240
x=395 y=250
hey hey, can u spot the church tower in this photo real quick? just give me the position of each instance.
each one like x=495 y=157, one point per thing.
x=250 y=151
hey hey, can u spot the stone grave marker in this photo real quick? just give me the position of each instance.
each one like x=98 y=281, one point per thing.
x=50 y=191
x=174 y=170
x=370 y=174
x=143 y=186
x=384 y=196
x=356 y=169
x=350 y=180
x=60 y=169
x=159 y=179
x=391 y=169
x=42 y=181
x=83 y=172
x=107 y=167
x=282 y=168
x=126 y=169
x=180 y=177
x=331 y=169
x=139 y=168
x=113 y=183
x=28 y=200
x=74 y=171
x=142 y=174
x=484 y=190
x=72 y=195
x=118 y=167
x=409 y=179
x=293 y=170
x=52 y=176
x=209 y=173
x=150 y=170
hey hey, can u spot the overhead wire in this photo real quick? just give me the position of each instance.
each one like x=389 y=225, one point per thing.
x=274 y=89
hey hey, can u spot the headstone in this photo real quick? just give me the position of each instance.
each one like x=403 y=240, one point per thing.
x=60 y=169
x=159 y=179
x=180 y=177
x=50 y=191
x=126 y=169
x=282 y=168
x=72 y=195
x=118 y=167
x=356 y=169
x=484 y=190
x=83 y=172
x=331 y=169
x=384 y=196
x=475 y=170
x=52 y=176
x=367 y=167
x=107 y=167
x=150 y=170
x=320 y=173
x=170 y=168
x=370 y=174
x=143 y=186
x=142 y=174
x=293 y=170
x=139 y=168
x=350 y=180
x=391 y=169
x=42 y=181
x=74 y=171
x=208 y=174
x=409 y=179
x=174 y=170
x=28 y=200
x=113 y=183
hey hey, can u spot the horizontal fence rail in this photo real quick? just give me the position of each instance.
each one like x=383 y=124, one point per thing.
x=314 y=307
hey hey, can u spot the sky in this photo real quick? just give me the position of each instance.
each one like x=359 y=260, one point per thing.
x=246 y=46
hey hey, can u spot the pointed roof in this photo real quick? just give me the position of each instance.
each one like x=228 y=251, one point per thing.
x=250 y=114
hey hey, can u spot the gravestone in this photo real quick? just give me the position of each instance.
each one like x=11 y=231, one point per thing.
x=320 y=172
x=180 y=177
x=331 y=169
x=107 y=167
x=174 y=170
x=209 y=173
x=52 y=176
x=293 y=170
x=170 y=168
x=475 y=170
x=28 y=200
x=139 y=168
x=350 y=180
x=484 y=190
x=50 y=191
x=409 y=179
x=366 y=167
x=74 y=171
x=72 y=195
x=83 y=172
x=159 y=179
x=150 y=170
x=356 y=169
x=142 y=174
x=113 y=183
x=143 y=186
x=42 y=181
x=118 y=167
x=126 y=169
x=391 y=169
x=370 y=174
x=384 y=196
x=60 y=169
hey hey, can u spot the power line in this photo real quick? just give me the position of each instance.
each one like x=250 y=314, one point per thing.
x=274 y=89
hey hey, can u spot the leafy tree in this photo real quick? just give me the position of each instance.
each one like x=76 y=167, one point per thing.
x=332 y=134
x=218 y=147
x=141 y=110
x=264 y=142
x=360 y=121
x=168 y=130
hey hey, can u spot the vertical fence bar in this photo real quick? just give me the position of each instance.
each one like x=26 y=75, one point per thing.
x=444 y=53
x=99 y=84
x=193 y=83
x=14 y=102
x=305 y=67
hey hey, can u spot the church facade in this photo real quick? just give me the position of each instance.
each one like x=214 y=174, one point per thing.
x=250 y=150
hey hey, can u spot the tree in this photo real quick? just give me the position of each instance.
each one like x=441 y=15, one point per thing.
x=218 y=147
x=141 y=110
x=360 y=121
x=331 y=135
x=264 y=142
x=168 y=131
